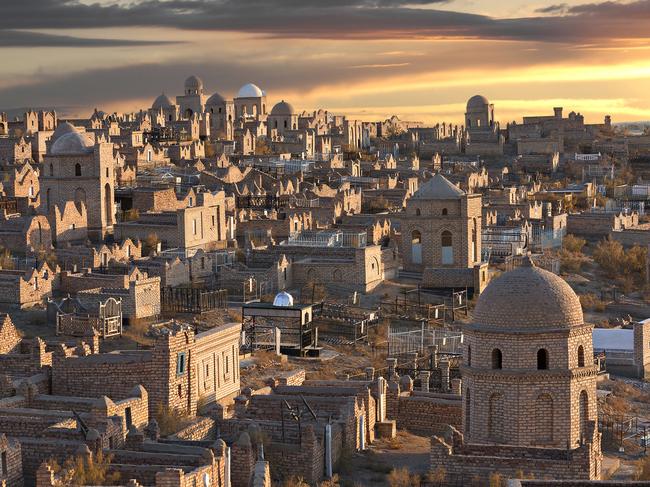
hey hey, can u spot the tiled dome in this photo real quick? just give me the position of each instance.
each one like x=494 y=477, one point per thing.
x=528 y=298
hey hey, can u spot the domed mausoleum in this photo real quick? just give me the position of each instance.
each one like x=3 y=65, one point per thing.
x=528 y=381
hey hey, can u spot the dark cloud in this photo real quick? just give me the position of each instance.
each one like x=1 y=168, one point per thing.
x=560 y=8
x=21 y=38
x=336 y=19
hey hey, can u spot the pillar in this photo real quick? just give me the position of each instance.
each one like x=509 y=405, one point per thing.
x=444 y=374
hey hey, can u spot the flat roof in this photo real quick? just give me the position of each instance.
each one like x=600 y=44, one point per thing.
x=615 y=339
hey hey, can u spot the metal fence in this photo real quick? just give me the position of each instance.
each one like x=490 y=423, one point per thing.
x=422 y=340
x=189 y=300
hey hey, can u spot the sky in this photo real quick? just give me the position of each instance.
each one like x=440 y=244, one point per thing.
x=369 y=59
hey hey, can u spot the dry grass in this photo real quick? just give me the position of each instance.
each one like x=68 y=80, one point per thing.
x=137 y=331
x=591 y=302
x=401 y=477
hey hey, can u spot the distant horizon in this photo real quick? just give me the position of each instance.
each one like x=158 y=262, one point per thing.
x=421 y=59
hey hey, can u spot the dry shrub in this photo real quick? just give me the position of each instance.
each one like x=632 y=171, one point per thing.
x=394 y=443
x=81 y=470
x=439 y=475
x=573 y=244
x=619 y=263
x=295 y=482
x=401 y=477
x=169 y=420
x=497 y=480
x=591 y=302
x=642 y=469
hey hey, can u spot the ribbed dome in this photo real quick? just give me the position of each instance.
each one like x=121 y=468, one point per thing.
x=283 y=299
x=72 y=143
x=250 y=91
x=528 y=298
x=62 y=129
x=477 y=101
x=163 y=101
x=283 y=109
x=216 y=99
x=193 y=83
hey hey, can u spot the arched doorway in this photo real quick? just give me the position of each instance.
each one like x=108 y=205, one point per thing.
x=416 y=247
x=446 y=242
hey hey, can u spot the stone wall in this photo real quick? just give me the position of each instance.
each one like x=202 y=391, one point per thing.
x=11 y=457
x=9 y=337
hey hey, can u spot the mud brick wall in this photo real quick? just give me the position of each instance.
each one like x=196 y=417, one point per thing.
x=36 y=451
x=425 y=414
x=199 y=430
x=481 y=461
x=11 y=451
x=9 y=337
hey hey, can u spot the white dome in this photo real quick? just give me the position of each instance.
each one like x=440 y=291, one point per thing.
x=250 y=91
x=283 y=299
x=72 y=143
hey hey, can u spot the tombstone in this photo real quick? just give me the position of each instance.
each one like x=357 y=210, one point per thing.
x=444 y=374
x=381 y=399
x=370 y=373
x=328 y=451
x=391 y=363
x=425 y=375
x=277 y=340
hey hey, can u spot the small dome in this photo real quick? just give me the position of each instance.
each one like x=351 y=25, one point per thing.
x=283 y=299
x=163 y=101
x=216 y=99
x=250 y=91
x=193 y=83
x=477 y=101
x=527 y=298
x=62 y=129
x=283 y=108
x=72 y=143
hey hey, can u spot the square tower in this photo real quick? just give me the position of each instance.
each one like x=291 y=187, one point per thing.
x=441 y=236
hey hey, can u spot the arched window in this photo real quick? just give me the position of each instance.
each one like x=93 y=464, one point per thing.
x=542 y=359
x=469 y=356
x=581 y=356
x=51 y=170
x=77 y=169
x=496 y=418
x=417 y=212
x=444 y=211
x=497 y=359
x=285 y=124
x=584 y=413
x=416 y=247
x=446 y=242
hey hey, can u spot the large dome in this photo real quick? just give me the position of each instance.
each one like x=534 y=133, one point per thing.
x=163 y=101
x=283 y=109
x=72 y=143
x=250 y=91
x=477 y=101
x=193 y=83
x=525 y=299
x=62 y=129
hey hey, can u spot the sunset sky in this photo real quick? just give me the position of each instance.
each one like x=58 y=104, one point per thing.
x=418 y=59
